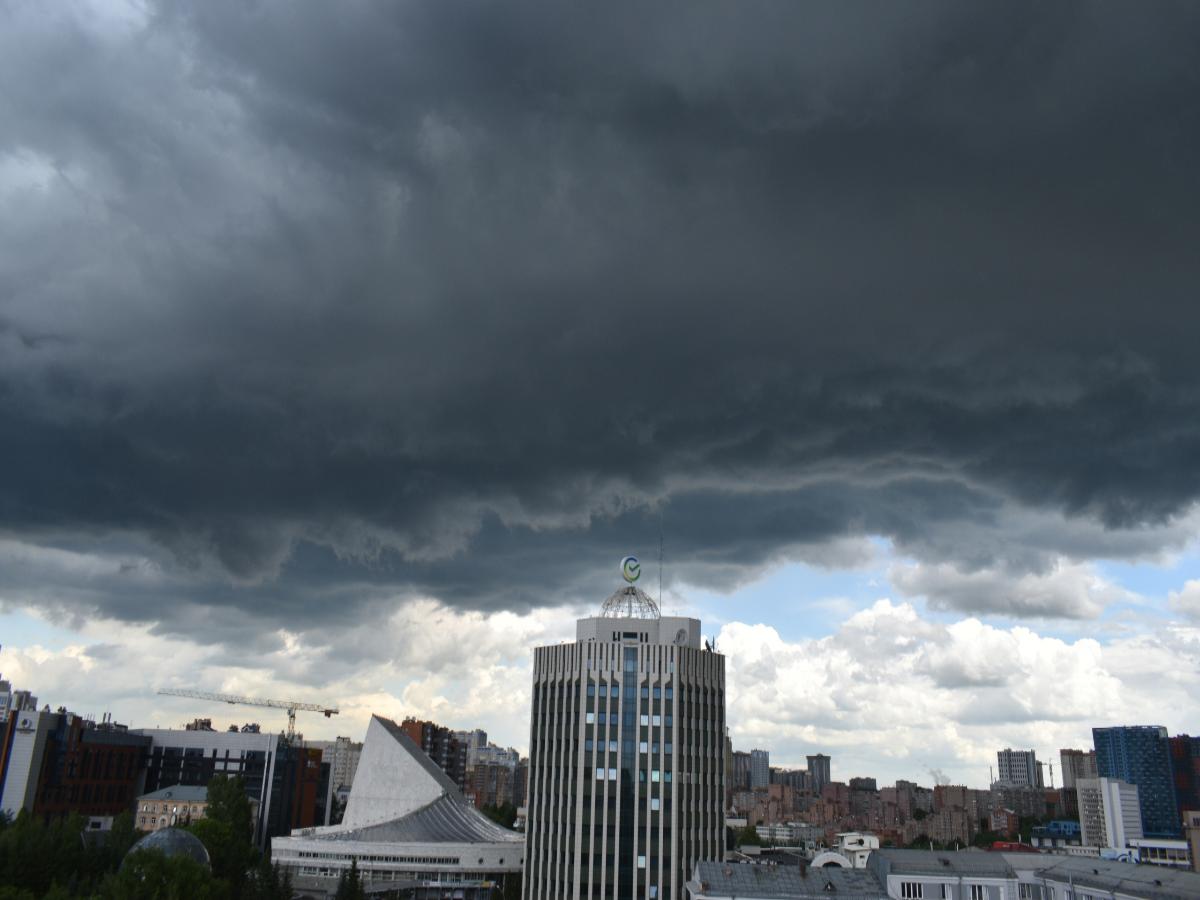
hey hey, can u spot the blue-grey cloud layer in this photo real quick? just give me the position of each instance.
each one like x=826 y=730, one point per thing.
x=344 y=301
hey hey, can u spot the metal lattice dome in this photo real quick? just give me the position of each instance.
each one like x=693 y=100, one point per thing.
x=173 y=842
x=630 y=603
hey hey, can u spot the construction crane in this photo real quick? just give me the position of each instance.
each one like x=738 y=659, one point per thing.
x=290 y=705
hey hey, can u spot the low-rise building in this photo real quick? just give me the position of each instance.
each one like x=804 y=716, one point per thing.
x=166 y=808
x=745 y=881
x=977 y=875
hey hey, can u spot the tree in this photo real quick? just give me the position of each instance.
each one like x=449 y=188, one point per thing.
x=226 y=831
x=268 y=882
x=748 y=836
x=228 y=803
x=350 y=885
x=151 y=875
x=504 y=814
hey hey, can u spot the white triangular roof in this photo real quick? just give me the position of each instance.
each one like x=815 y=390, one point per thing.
x=395 y=777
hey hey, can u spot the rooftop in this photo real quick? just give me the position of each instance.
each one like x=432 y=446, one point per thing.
x=629 y=602
x=184 y=793
x=717 y=879
x=448 y=819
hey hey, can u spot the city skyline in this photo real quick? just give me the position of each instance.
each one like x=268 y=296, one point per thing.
x=345 y=350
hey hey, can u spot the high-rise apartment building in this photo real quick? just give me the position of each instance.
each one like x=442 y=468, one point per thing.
x=818 y=771
x=440 y=744
x=1018 y=768
x=1109 y=816
x=1141 y=755
x=760 y=769
x=1185 y=770
x=740 y=765
x=626 y=756
x=1077 y=764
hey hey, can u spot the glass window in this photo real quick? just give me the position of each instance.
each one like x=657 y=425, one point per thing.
x=591 y=690
x=654 y=774
x=657 y=692
x=667 y=777
x=645 y=720
x=641 y=861
x=603 y=718
x=587 y=744
x=978 y=892
x=658 y=720
x=654 y=803
x=612 y=774
x=654 y=892
x=669 y=749
x=616 y=691
x=599 y=774
x=603 y=690
x=645 y=693
x=590 y=718
x=612 y=746
x=642 y=747
x=670 y=693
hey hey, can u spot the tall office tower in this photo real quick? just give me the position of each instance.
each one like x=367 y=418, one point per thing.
x=818 y=771
x=626 y=756
x=1018 y=768
x=760 y=769
x=1141 y=755
x=1077 y=764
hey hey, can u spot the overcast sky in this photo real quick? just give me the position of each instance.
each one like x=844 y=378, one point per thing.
x=346 y=348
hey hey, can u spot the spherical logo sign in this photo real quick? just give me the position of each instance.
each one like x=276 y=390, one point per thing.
x=631 y=568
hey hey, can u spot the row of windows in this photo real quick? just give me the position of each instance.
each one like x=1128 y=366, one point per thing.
x=614 y=691
x=655 y=775
x=600 y=718
x=915 y=890
x=367 y=857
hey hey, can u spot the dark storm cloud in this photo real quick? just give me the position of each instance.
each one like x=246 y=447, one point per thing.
x=350 y=302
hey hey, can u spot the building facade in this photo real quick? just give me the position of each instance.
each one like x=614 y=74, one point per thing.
x=289 y=784
x=760 y=769
x=442 y=745
x=1077 y=764
x=1018 y=768
x=1109 y=814
x=818 y=771
x=1141 y=755
x=60 y=763
x=626 y=759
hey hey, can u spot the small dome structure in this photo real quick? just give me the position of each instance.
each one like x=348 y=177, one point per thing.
x=173 y=842
x=629 y=603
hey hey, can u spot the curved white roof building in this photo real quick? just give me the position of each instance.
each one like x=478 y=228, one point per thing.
x=408 y=826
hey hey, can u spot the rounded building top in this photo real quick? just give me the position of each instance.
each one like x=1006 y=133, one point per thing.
x=629 y=602
x=173 y=842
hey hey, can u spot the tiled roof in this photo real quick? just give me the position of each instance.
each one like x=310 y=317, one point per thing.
x=183 y=793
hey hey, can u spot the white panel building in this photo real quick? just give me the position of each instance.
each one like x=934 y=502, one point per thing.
x=626 y=757
x=1109 y=814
